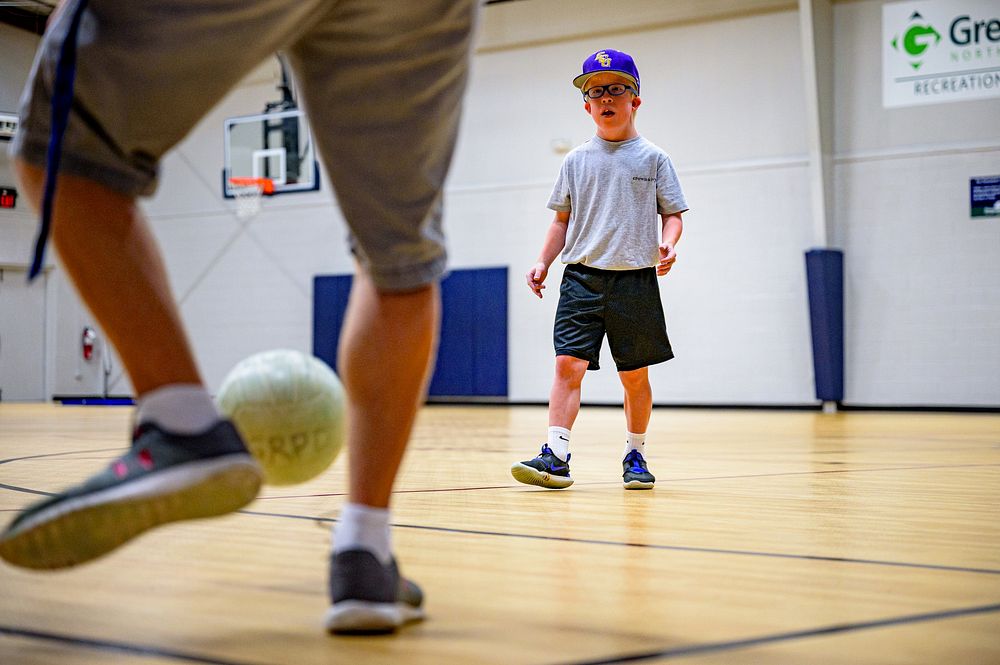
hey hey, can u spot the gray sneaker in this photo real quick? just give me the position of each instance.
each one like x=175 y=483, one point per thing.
x=369 y=598
x=163 y=478
x=635 y=474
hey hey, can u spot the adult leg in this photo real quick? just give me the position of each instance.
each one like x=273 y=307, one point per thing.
x=184 y=461
x=106 y=247
x=395 y=74
x=386 y=352
x=109 y=252
x=118 y=128
x=385 y=355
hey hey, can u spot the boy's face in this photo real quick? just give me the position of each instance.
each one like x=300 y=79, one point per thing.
x=612 y=115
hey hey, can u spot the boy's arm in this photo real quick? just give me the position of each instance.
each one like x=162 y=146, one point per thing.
x=673 y=226
x=555 y=240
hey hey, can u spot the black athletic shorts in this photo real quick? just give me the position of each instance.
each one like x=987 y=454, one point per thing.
x=623 y=304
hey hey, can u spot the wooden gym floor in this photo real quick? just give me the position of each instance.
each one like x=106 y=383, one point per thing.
x=771 y=537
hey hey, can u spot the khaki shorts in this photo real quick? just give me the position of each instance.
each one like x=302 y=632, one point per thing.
x=381 y=82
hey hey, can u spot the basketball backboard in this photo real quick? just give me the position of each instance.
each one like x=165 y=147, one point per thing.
x=277 y=146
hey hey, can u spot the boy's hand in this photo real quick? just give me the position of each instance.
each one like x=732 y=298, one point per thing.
x=667 y=258
x=536 y=278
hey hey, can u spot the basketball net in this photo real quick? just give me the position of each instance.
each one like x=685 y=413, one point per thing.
x=249 y=192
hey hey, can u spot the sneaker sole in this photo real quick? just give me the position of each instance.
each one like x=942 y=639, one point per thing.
x=83 y=528
x=359 y=617
x=530 y=476
x=637 y=485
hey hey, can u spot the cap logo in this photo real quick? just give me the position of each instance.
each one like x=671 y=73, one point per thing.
x=603 y=58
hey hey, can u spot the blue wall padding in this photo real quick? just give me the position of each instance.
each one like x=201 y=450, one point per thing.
x=825 y=274
x=472 y=353
x=330 y=294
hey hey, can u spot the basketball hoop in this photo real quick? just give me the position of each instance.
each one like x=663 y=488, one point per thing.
x=248 y=193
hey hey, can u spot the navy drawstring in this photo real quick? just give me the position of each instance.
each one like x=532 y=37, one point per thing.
x=62 y=101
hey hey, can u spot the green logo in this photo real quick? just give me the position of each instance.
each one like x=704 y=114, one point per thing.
x=919 y=36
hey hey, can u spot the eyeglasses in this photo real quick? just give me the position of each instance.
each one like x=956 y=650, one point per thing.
x=613 y=89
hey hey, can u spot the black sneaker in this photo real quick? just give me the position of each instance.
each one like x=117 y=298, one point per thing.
x=636 y=476
x=546 y=470
x=369 y=598
x=163 y=478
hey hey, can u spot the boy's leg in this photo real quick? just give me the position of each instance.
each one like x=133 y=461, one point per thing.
x=638 y=399
x=564 y=398
x=551 y=467
x=638 y=338
x=638 y=408
x=577 y=336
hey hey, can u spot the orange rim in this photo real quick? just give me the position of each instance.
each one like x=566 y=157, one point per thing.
x=265 y=185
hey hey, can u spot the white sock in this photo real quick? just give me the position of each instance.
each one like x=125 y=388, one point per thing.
x=181 y=408
x=364 y=528
x=559 y=442
x=635 y=442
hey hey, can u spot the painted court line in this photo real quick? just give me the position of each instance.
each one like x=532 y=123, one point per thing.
x=116 y=647
x=678 y=548
x=716 y=647
x=518 y=486
x=665 y=481
x=678 y=652
x=674 y=548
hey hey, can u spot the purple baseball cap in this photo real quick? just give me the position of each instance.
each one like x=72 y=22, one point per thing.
x=608 y=60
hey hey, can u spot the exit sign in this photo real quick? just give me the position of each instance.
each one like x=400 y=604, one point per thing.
x=8 y=197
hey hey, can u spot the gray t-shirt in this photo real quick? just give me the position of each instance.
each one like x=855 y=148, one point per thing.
x=615 y=192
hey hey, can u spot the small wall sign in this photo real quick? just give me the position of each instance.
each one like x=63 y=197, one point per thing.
x=984 y=196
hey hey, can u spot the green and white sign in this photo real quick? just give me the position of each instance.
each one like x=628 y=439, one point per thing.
x=937 y=51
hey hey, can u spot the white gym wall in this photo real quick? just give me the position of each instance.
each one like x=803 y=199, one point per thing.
x=723 y=93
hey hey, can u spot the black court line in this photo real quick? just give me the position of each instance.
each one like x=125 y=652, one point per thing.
x=420 y=491
x=26 y=490
x=672 y=481
x=665 y=481
x=522 y=487
x=918 y=467
x=588 y=541
x=716 y=647
x=118 y=647
x=673 y=548
x=677 y=652
x=15 y=488
x=69 y=452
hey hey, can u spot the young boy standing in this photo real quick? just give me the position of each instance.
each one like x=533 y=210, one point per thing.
x=607 y=199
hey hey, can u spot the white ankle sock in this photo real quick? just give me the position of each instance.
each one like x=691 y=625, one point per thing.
x=181 y=408
x=559 y=442
x=635 y=442
x=363 y=527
